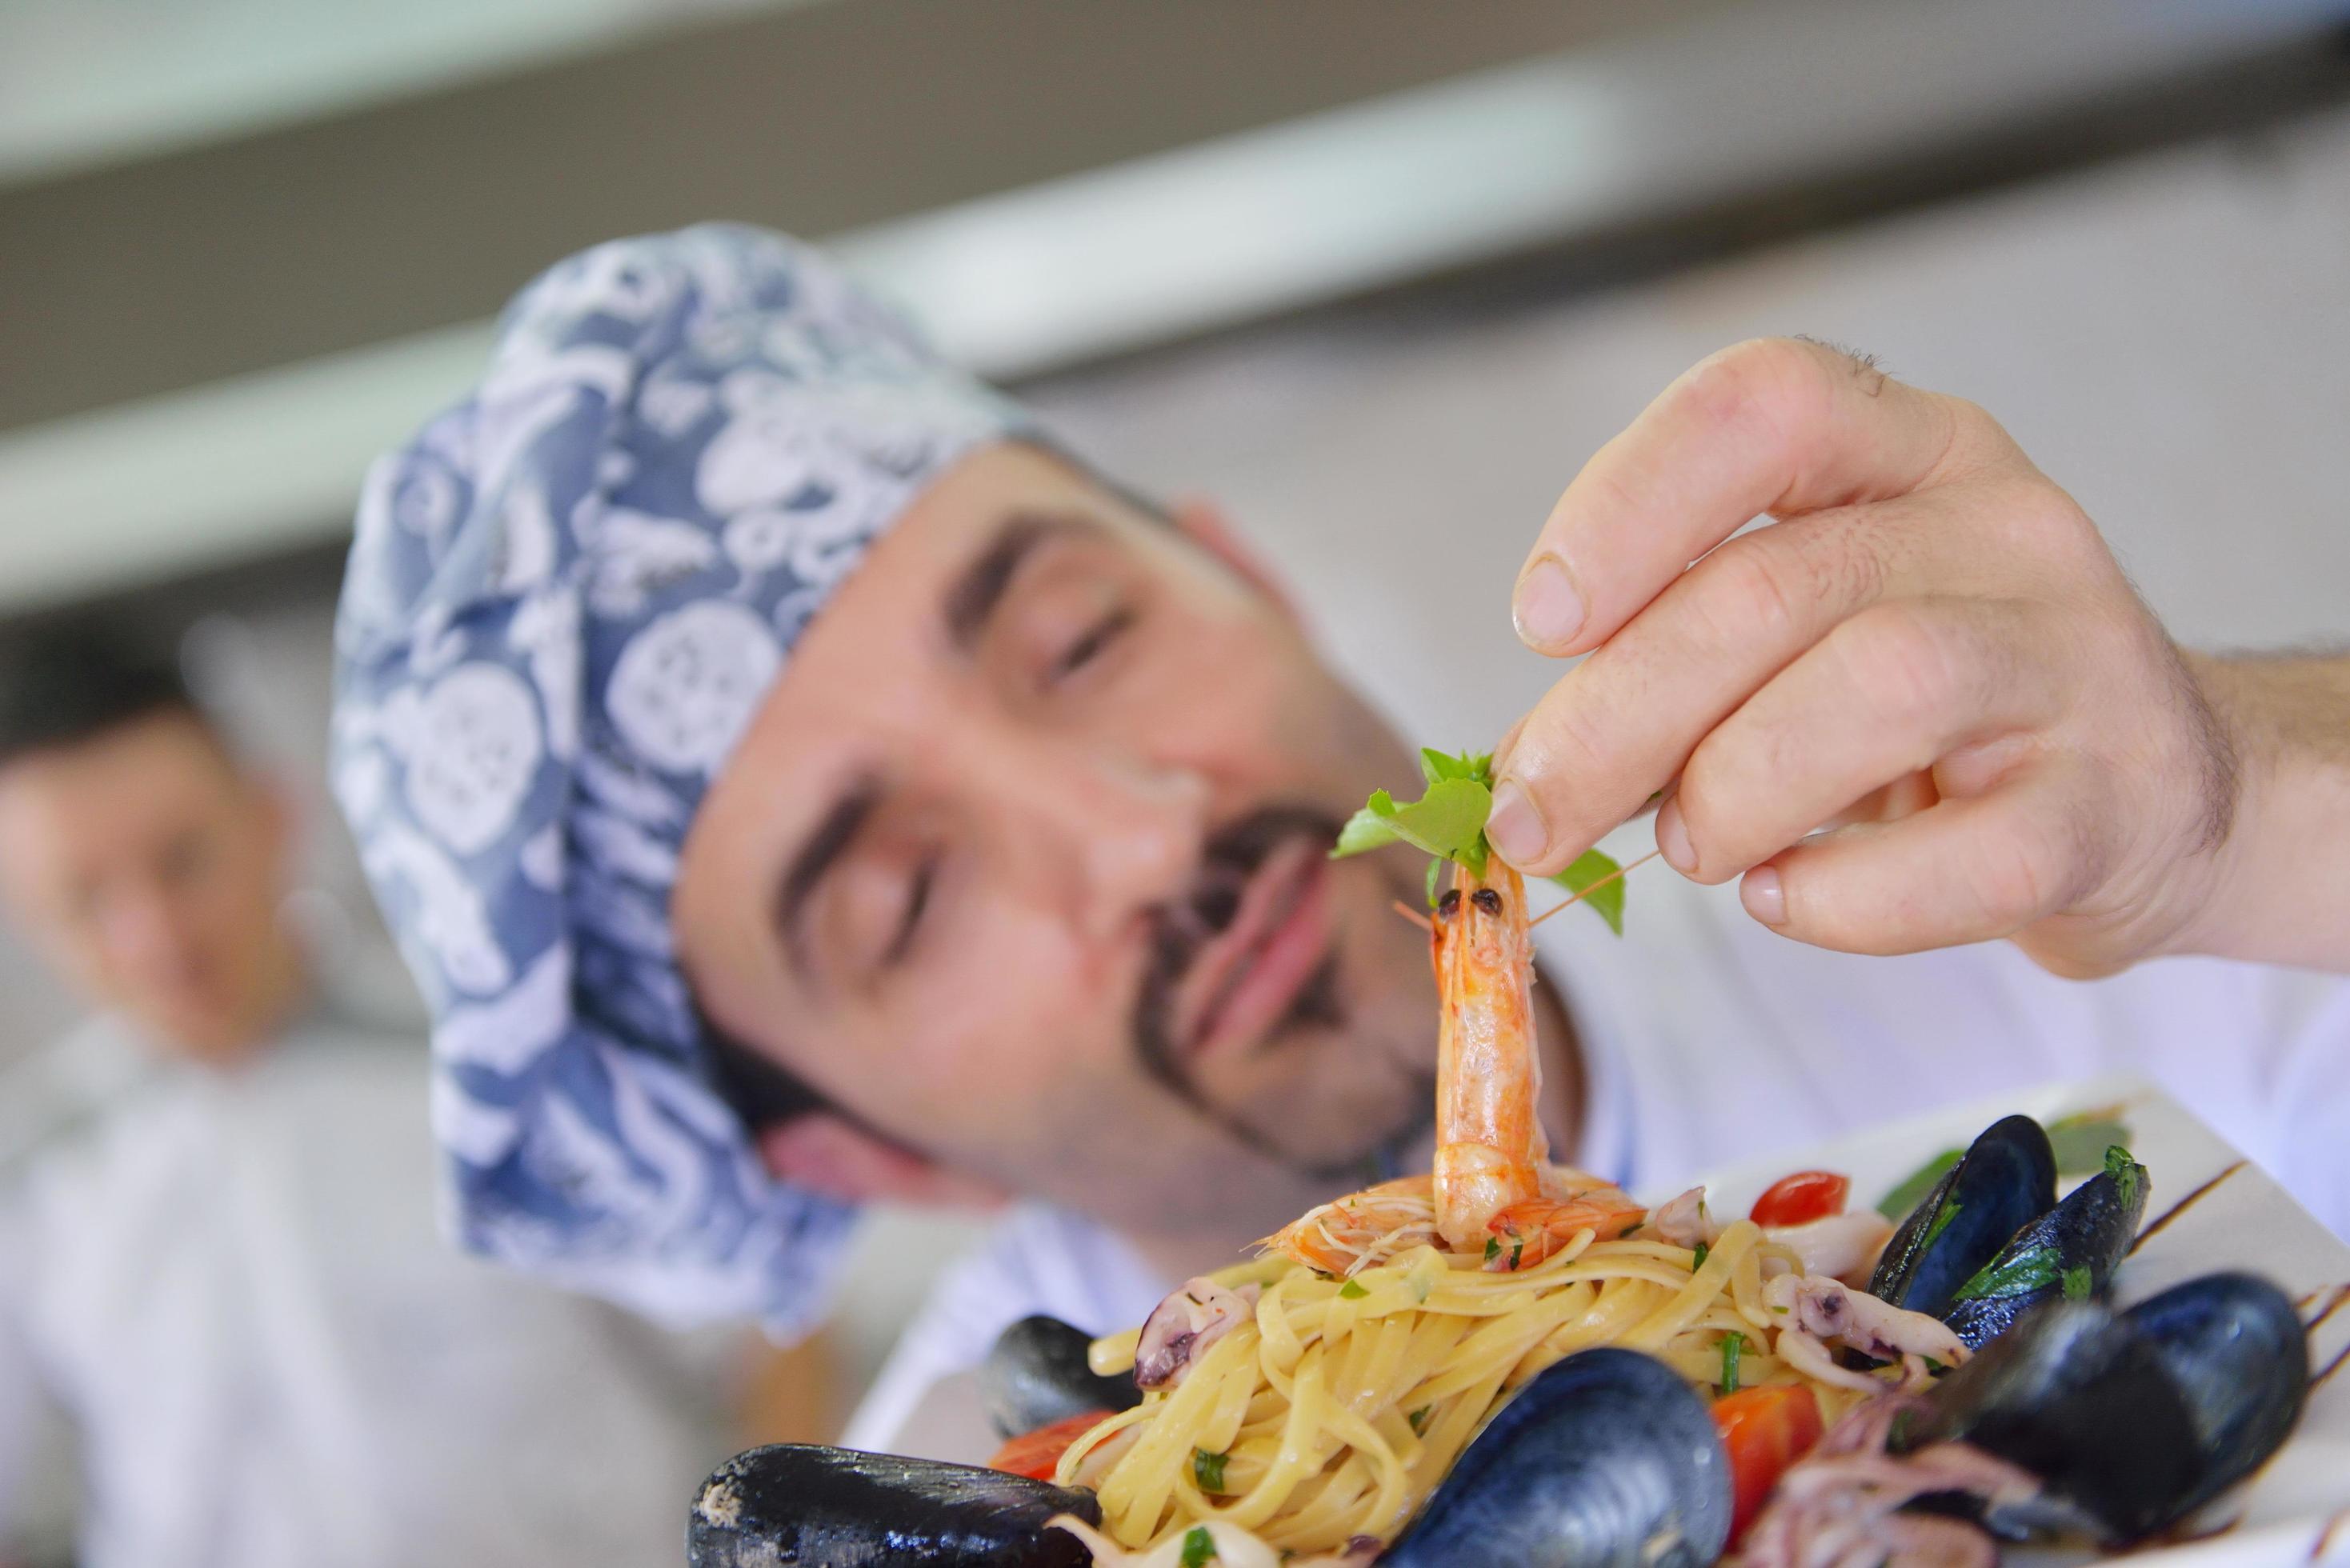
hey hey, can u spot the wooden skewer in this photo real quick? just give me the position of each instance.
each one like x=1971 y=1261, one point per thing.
x=1546 y=914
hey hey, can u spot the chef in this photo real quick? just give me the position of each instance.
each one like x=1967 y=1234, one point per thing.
x=801 y=782
x=218 y=1259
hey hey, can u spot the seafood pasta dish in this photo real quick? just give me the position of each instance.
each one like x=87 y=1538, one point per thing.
x=1507 y=1360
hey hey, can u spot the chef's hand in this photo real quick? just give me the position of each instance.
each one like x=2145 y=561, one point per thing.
x=1931 y=650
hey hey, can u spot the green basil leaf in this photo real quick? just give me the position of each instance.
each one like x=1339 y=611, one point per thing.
x=1436 y=766
x=1373 y=827
x=1435 y=876
x=1198 y=1546
x=1912 y=1188
x=1609 y=902
x=2081 y=1142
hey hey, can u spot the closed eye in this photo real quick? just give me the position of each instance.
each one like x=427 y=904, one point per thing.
x=1087 y=648
x=917 y=900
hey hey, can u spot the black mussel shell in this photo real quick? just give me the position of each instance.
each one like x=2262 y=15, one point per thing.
x=2005 y=1180
x=2071 y=1251
x=814 y=1507
x=2236 y=1351
x=1608 y=1457
x=2080 y=1399
x=1037 y=1375
x=2131 y=1420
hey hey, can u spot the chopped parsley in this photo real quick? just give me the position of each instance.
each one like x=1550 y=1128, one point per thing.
x=1732 y=1345
x=1208 y=1470
x=1352 y=1290
x=2077 y=1284
x=1199 y=1547
x=2027 y=1271
x=1697 y=1258
x=1942 y=1217
x=2127 y=1174
x=1492 y=1246
x=1419 y=1420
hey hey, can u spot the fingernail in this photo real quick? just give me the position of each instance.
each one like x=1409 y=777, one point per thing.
x=1672 y=838
x=1515 y=827
x=1763 y=898
x=1547 y=610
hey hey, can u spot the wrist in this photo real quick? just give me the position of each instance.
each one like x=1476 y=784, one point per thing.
x=2275 y=889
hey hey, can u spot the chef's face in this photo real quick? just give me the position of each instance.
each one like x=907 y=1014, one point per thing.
x=146 y=865
x=1023 y=865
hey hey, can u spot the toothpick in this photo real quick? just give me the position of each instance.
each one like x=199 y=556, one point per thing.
x=1546 y=914
x=1415 y=916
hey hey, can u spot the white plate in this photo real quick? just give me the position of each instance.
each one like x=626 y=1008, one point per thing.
x=2297 y=1509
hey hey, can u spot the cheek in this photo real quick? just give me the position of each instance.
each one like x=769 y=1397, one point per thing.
x=1011 y=1021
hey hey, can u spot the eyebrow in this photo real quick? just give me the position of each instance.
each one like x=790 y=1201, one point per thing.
x=818 y=853
x=979 y=587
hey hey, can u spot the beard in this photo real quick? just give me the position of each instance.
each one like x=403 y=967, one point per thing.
x=1182 y=928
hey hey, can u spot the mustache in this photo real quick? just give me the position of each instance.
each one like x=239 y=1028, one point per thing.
x=1179 y=928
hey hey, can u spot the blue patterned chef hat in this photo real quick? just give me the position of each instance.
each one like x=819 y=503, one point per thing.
x=566 y=596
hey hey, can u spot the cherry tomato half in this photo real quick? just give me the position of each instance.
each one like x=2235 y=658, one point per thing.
x=1800 y=1199
x=1765 y=1429
x=1038 y=1453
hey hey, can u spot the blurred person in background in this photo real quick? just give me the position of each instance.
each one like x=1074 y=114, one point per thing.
x=798 y=781
x=226 y=1272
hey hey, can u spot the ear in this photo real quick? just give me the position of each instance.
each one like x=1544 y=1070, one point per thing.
x=827 y=1154
x=1203 y=523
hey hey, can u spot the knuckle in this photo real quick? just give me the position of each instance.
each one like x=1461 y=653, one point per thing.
x=1708 y=795
x=1901 y=666
x=2033 y=866
x=1756 y=381
x=1752 y=598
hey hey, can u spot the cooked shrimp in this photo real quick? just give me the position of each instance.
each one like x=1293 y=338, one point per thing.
x=1494 y=1190
x=1523 y=1234
x=1362 y=1229
x=1490 y=1147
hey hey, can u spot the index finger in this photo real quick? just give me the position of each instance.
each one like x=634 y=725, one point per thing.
x=1778 y=425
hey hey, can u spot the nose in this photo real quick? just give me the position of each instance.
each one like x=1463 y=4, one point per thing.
x=1106 y=832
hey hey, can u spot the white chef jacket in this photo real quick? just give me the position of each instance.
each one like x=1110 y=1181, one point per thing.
x=233 y=1284
x=1710 y=1041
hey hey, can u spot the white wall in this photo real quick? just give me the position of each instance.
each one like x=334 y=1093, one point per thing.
x=2169 y=338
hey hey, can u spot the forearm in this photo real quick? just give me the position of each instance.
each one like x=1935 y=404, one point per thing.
x=2283 y=891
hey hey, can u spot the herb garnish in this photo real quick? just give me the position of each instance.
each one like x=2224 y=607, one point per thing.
x=1419 y=1420
x=2027 y=1271
x=1448 y=821
x=2077 y=1284
x=1493 y=1245
x=1352 y=1290
x=1733 y=1346
x=1911 y=1191
x=1208 y=1470
x=1697 y=1258
x=1198 y=1546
